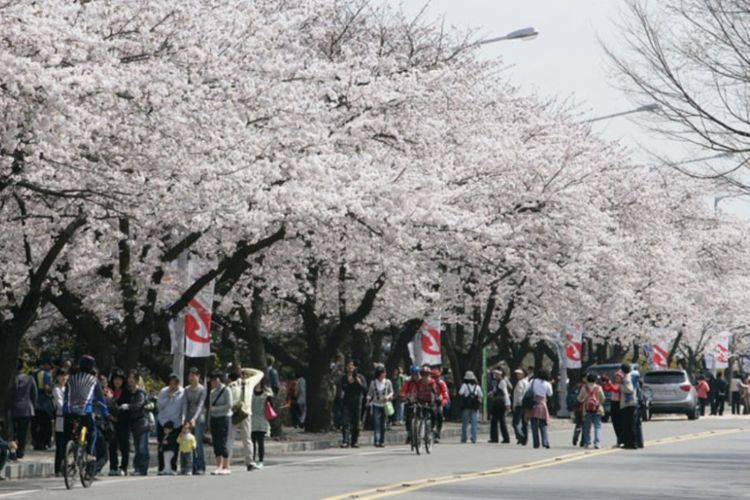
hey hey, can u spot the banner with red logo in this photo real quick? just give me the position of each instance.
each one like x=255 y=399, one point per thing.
x=426 y=348
x=717 y=351
x=573 y=345
x=198 y=313
x=658 y=348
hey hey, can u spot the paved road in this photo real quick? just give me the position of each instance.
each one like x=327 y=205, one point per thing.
x=703 y=459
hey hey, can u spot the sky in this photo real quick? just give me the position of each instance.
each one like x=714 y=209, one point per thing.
x=566 y=59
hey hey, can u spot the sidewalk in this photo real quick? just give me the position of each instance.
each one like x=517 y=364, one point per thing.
x=40 y=464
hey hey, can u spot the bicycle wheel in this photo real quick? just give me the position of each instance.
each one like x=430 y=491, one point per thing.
x=70 y=467
x=417 y=435
x=427 y=435
x=86 y=469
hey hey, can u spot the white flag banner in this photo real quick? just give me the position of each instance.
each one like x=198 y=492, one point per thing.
x=198 y=313
x=573 y=345
x=426 y=348
x=659 y=348
x=717 y=352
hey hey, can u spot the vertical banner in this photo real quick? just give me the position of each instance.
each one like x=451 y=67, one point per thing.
x=573 y=345
x=426 y=348
x=198 y=313
x=717 y=351
x=659 y=347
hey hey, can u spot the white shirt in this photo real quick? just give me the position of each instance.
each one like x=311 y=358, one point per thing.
x=521 y=387
x=470 y=390
x=541 y=388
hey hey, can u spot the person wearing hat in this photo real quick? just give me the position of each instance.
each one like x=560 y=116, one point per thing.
x=520 y=425
x=171 y=408
x=471 y=401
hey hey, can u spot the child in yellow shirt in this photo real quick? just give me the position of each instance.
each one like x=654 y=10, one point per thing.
x=187 y=443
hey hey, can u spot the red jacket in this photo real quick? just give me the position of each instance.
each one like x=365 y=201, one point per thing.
x=443 y=394
x=422 y=392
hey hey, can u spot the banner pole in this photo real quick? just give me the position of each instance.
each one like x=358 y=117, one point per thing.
x=178 y=360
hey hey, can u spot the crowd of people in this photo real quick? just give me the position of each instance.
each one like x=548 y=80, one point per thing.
x=241 y=405
x=117 y=410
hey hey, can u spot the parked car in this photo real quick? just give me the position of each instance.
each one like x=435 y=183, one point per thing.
x=672 y=392
x=609 y=371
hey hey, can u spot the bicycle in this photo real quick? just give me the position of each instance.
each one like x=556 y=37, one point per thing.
x=421 y=428
x=74 y=461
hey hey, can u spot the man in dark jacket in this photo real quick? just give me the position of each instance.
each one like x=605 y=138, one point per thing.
x=22 y=400
x=352 y=389
x=719 y=390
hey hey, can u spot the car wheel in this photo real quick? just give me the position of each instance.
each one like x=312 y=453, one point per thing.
x=693 y=415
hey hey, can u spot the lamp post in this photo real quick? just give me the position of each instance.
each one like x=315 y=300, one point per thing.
x=524 y=34
x=641 y=109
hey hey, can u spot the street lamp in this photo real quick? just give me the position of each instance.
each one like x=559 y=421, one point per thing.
x=641 y=109
x=524 y=34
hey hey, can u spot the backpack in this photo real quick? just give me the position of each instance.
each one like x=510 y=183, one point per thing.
x=471 y=402
x=591 y=403
x=528 y=398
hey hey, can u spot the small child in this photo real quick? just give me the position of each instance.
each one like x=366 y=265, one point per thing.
x=168 y=447
x=187 y=443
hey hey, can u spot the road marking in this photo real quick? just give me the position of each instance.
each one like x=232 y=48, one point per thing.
x=18 y=493
x=410 y=486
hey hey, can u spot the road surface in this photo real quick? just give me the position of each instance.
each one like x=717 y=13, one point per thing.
x=702 y=459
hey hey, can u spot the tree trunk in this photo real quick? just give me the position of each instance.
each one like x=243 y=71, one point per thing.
x=9 y=344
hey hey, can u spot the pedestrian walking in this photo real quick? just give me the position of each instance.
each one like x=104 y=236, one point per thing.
x=591 y=399
x=219 y=414
x=241 y=385
x=272 y=374
x=702 y=390
x=499 y=403
x=44 y=410
x=721 y=390
x=441 y=402
x=628 y=403
x=118 y=465
x=734 y=388
x=538 y=415
x=195 y=415
x=171 y=406
x=138 y=419
x=578 y=413
x=397 y=381
x=4 y=454
x=352 y=389
x=58 y=401
x=187 y=444
x=614 y=390
x=471 y=402
x=23 y=395
x=379 y=396
x=262 y=399
x=291 y=400
x=300 y=398
x=520 y=425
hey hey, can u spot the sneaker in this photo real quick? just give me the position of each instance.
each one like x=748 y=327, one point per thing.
x=226 y=472
x=355 y=445
x=216 y=472
x=259 y=465
x=344 y=445
x=199 y=473
x=250 y=467
x=114 y=473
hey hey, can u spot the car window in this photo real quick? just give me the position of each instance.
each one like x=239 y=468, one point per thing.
x=664 y=378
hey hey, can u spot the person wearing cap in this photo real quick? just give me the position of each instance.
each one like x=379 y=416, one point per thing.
x=520 y=425
x=471 y=402
x=171 y=408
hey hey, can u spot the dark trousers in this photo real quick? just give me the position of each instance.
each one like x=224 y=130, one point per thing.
x=578 y=428
x=520 y=425
x=4 y=452
x=498 y=417
x=717 y=405
x=259 y=445
x=351 y=416
x=121 y=444
x=615 y=416
x=141 y=457
x=21 y=434
x=220 y=436
x=627 y=426
x=638 y=427
x=41 y=430
x=60 y=443
x=160 y=438
x=438 y=420
x=703 y=403
x=736 y=403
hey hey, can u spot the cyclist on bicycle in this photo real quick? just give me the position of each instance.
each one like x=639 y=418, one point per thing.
x=81 y=394
x=419 y=389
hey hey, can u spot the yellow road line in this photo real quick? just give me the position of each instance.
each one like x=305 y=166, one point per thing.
x=410 y=486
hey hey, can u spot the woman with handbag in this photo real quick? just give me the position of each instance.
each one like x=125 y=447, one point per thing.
x=263 y=413
x=220 y=412
x=380 y=399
